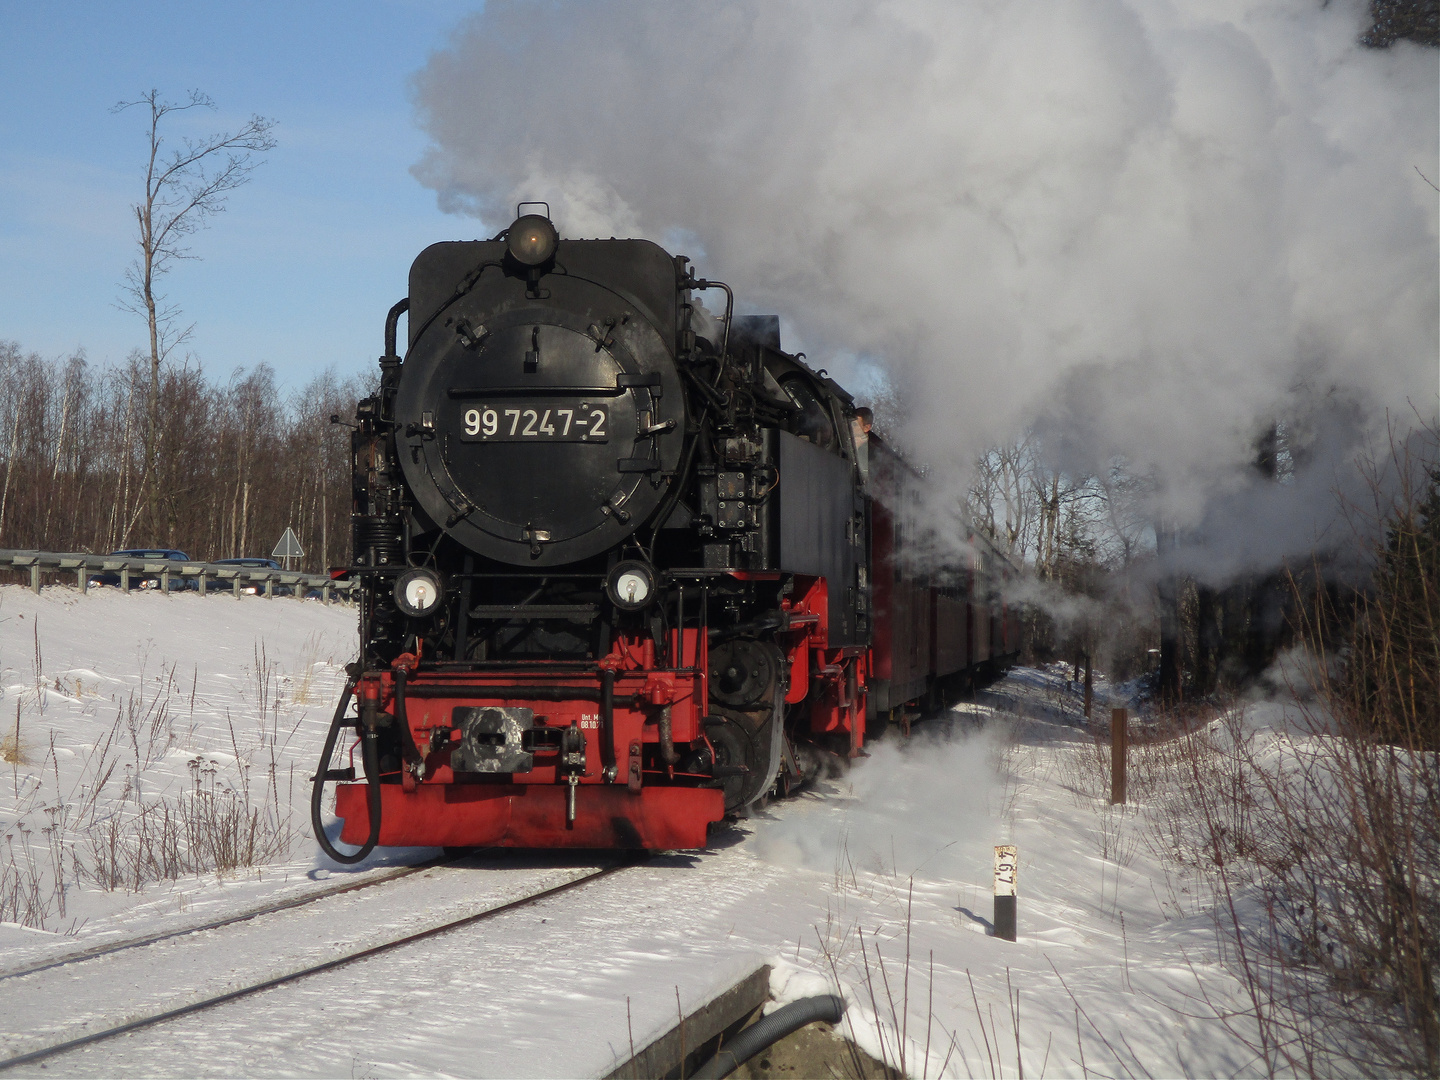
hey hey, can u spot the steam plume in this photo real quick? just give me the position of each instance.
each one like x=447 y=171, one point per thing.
x=1151 y=227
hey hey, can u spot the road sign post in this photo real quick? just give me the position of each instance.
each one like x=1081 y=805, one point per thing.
x=288 y=548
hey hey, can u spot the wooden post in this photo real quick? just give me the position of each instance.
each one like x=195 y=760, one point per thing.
x=82 y=580
x=1119 y=751
x=35 y=578
x=1006 y=871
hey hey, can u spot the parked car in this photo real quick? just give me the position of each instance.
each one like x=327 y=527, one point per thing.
x=251 y=588
x=146 y=581
x=337 y=573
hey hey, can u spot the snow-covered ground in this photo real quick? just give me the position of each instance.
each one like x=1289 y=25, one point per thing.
x=127 y=705
x=880 y=881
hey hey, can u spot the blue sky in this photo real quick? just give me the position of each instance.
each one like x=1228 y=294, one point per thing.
x=300 y=270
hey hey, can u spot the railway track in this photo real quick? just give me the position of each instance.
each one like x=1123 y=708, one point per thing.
x=98 y=951
x=162 y=1016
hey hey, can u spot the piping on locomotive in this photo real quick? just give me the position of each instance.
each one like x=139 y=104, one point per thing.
x=622 y=572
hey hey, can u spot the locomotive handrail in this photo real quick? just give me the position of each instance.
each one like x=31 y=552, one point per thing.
x=84 y=564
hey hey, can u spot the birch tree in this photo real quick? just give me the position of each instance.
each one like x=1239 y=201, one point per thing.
x=186 y=183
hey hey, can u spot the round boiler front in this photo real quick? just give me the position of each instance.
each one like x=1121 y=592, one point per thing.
x=546 y=435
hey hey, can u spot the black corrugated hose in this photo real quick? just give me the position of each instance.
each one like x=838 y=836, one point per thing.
x=370 y=758
x=769 y=1030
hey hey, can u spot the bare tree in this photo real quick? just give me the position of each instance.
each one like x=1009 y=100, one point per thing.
x=241 y=460
x=184 y=186
x=1123 y=501
x=1001 y=501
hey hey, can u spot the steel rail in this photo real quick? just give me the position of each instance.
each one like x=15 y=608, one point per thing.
x=303 y=973
x=338 y=889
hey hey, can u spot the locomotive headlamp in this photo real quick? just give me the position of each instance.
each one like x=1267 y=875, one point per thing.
x=418 y=593
x=631 y=585
x=532 y=240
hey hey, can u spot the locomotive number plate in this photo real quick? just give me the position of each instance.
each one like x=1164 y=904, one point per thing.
x=536 y=421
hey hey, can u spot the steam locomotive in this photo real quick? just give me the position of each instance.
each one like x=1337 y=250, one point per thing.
x=626 y=567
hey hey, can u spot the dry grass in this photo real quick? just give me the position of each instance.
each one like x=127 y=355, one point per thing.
x=213 y=827
x=1321 y=841
x=204 y=831
x=1322 y=860
x=12 y=750
x=139 y=834
x=1315 y=844
x=885 y=984
x=302 y=687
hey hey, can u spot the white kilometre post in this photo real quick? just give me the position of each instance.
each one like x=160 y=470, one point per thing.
x=1007 y=861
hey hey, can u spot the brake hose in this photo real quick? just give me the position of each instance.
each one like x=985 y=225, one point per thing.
x=414 y=761
x=370 y=758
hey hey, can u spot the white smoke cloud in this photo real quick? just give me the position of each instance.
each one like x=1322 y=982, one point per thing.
x=931 y=807
x=1150 y=225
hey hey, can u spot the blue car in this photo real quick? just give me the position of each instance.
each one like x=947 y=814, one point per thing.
x=145 y=581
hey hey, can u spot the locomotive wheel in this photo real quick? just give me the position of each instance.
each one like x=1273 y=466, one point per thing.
x=785 y=783
x=758 y=735
x=743 y=672
x=733 y=747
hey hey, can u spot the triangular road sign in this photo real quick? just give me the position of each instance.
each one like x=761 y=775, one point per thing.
x=288 y=547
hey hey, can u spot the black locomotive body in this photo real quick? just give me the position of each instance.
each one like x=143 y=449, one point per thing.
x=615 y=558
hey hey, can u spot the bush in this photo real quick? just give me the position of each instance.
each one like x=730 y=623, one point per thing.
x=1317 y=821
x=1392 y=687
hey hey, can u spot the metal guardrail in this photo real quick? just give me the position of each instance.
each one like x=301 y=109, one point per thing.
x=168 y=571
